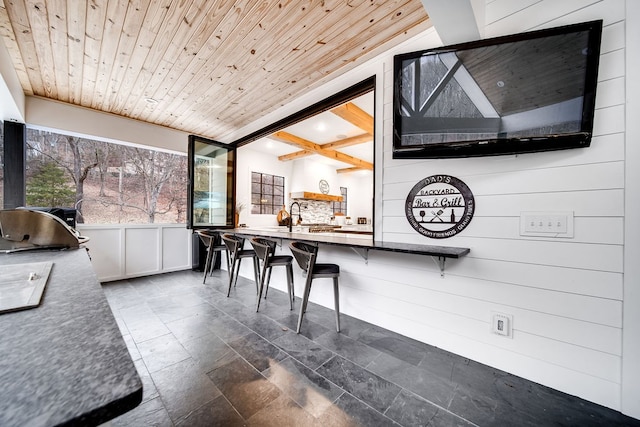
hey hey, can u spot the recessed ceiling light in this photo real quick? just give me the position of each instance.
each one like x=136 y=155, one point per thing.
x=151 y=101
x=321 y=127
x=341 y=136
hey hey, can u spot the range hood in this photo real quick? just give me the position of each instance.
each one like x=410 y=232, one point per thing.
x=308 y=195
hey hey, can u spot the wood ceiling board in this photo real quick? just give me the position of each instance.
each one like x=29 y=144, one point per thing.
x=113 y=55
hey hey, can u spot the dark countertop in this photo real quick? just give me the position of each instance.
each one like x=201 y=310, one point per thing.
x=64 y=362
x=357 y=242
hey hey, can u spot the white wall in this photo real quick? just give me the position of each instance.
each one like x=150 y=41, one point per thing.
x=566 y=295
x=253 y=161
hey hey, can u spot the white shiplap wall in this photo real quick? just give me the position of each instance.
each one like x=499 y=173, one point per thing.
x=565 y=295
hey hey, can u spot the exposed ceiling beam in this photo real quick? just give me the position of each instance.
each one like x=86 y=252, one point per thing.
x=341 y=143
x=305 y=144
x=355 y=115
x=349 y=170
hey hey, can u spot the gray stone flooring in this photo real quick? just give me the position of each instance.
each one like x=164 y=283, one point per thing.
x=209 y=360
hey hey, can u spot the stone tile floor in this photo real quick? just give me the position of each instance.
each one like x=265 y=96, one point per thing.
x=207 y=360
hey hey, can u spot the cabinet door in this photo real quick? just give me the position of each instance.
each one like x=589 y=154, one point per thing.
x=211 y=193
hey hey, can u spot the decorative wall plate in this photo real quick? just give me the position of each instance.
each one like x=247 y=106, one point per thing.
x=324 y=186
x=440 y=206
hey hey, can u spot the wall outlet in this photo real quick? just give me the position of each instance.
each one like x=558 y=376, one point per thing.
x=546 y=224
x=502 y=324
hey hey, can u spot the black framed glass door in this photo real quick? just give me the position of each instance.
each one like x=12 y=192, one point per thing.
x=211 y=192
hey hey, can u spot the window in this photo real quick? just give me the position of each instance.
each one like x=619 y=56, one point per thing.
x=106 y=183
x=341 y=207
x=267 y=193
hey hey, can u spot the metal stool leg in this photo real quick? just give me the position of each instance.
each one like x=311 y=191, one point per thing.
x=305 y=299
x=290 y=285
x=336 y=297
x=207 y=264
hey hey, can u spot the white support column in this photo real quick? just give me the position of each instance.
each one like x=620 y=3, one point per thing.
x=456 y=21
x=630 y=404
x=11 y=94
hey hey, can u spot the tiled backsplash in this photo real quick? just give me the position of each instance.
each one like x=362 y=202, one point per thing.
x=313 y=211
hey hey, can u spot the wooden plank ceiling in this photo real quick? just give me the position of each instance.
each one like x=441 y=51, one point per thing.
x=204 y=67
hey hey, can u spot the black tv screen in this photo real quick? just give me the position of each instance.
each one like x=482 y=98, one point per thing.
x=521 y=93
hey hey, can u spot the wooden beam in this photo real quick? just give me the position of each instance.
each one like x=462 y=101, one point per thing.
x=295 y=155
x=305 y=144
x=355 y=115
x=349 y=170
x=348 y=142
x=341 y=143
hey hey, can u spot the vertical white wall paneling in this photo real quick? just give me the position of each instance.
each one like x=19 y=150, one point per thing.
x=106 y=248
x=631 y=320
x=141 y=244
x=123 y=251
x=176 y=248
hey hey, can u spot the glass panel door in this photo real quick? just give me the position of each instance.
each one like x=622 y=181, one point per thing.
x=211 y=201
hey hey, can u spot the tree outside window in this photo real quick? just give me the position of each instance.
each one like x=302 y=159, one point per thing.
x=106 y=183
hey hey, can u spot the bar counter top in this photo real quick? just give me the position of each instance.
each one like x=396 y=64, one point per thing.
x=355 y=241
x=64 y=362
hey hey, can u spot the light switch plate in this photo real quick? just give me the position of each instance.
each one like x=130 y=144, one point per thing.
x=547 y=224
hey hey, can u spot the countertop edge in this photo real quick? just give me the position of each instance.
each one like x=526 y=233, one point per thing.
x=430 y=250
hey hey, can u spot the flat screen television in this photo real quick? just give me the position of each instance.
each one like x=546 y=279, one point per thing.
x=520 y=93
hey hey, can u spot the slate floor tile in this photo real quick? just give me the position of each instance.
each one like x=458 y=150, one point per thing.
x=351 y=412
x=228 y=328
x=281 y=412
x=217 y=412
x=348 y=348
x=160 y=352
x=307 y=388
x=393 y=344
x=189 y=327
x=246 y=389
x=180 y=330
x=308 y=328
x=207 y=350
x=303 y=349
x=184 y=387
x=411 y=410
x=149 y=390
x=418 y=380
x=257 y=351
x=149 y=413
x=372 y=389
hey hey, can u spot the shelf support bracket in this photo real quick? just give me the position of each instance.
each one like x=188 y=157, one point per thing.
x=440 y=263
x=364 y=253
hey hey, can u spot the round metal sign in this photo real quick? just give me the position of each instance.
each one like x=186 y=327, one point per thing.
x=440 y=206
x=324 y=186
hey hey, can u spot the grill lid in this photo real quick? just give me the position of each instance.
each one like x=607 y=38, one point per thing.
x=24 y=229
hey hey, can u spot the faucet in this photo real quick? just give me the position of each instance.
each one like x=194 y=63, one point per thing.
x=291 y=215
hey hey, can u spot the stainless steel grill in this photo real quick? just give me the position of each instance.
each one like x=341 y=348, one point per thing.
x=24 y=229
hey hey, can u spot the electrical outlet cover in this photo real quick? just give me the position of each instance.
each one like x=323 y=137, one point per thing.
x=502 y=324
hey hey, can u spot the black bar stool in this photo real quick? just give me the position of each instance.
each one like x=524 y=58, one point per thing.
x=305 y=255
x=209 y=238
x=265 y=249
x=236 y=253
